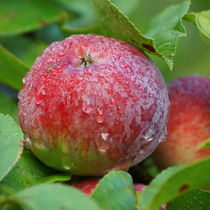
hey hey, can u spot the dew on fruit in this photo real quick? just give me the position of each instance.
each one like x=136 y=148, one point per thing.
x=105 y=136
x=88 y=104
x=49 y=60
x=163 y=134
x=27 y=140
x=87 y=109
x=24 y=80
x=149 y=136
x=40 y=96
x=61 y=53
x=102 y=145
x=27 y=77
x=100 y=116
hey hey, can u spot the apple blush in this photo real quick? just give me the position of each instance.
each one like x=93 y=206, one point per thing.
x=92 y=104
x=189 y=122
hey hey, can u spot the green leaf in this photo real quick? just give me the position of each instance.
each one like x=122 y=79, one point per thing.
x=137 y=204
x=56 y=178
x=163 y=31
x=85 y=20
x=174 y=181
x=125 y=6
x=115 y=24
x=202 y=21
x=26 y=15
x=8 y=106
x=12 y=69
x=53 y=197
x=27 y=172
x=10 y=144
x=115 y=191
x=26 y=49
x=195 y=200
x=166 y=28
x=205 y=144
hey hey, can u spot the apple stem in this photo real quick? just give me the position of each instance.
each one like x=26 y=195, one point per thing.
x=86 y=60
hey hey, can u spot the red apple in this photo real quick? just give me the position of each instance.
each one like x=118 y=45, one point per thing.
x=86 y=185
x=91 y=104
x=189 y=122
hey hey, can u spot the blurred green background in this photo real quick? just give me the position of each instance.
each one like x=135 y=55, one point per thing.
x=29 y=26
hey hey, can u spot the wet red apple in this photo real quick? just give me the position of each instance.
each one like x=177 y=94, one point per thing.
x=91 y=104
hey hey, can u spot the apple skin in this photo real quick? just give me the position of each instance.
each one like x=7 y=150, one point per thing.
x=91 y=104
x=86 y=185
x=189 y=122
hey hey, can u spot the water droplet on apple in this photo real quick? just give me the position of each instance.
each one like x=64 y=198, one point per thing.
x=61 y=53
x=163 y=135
x=88 y=104
x=40 y=96
x=105 y=136
x=27 y=140
x=87 y=109
x=49 y=60
x=24 y=80
x=100 y=116
x=149 y=136
x=103 y=143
